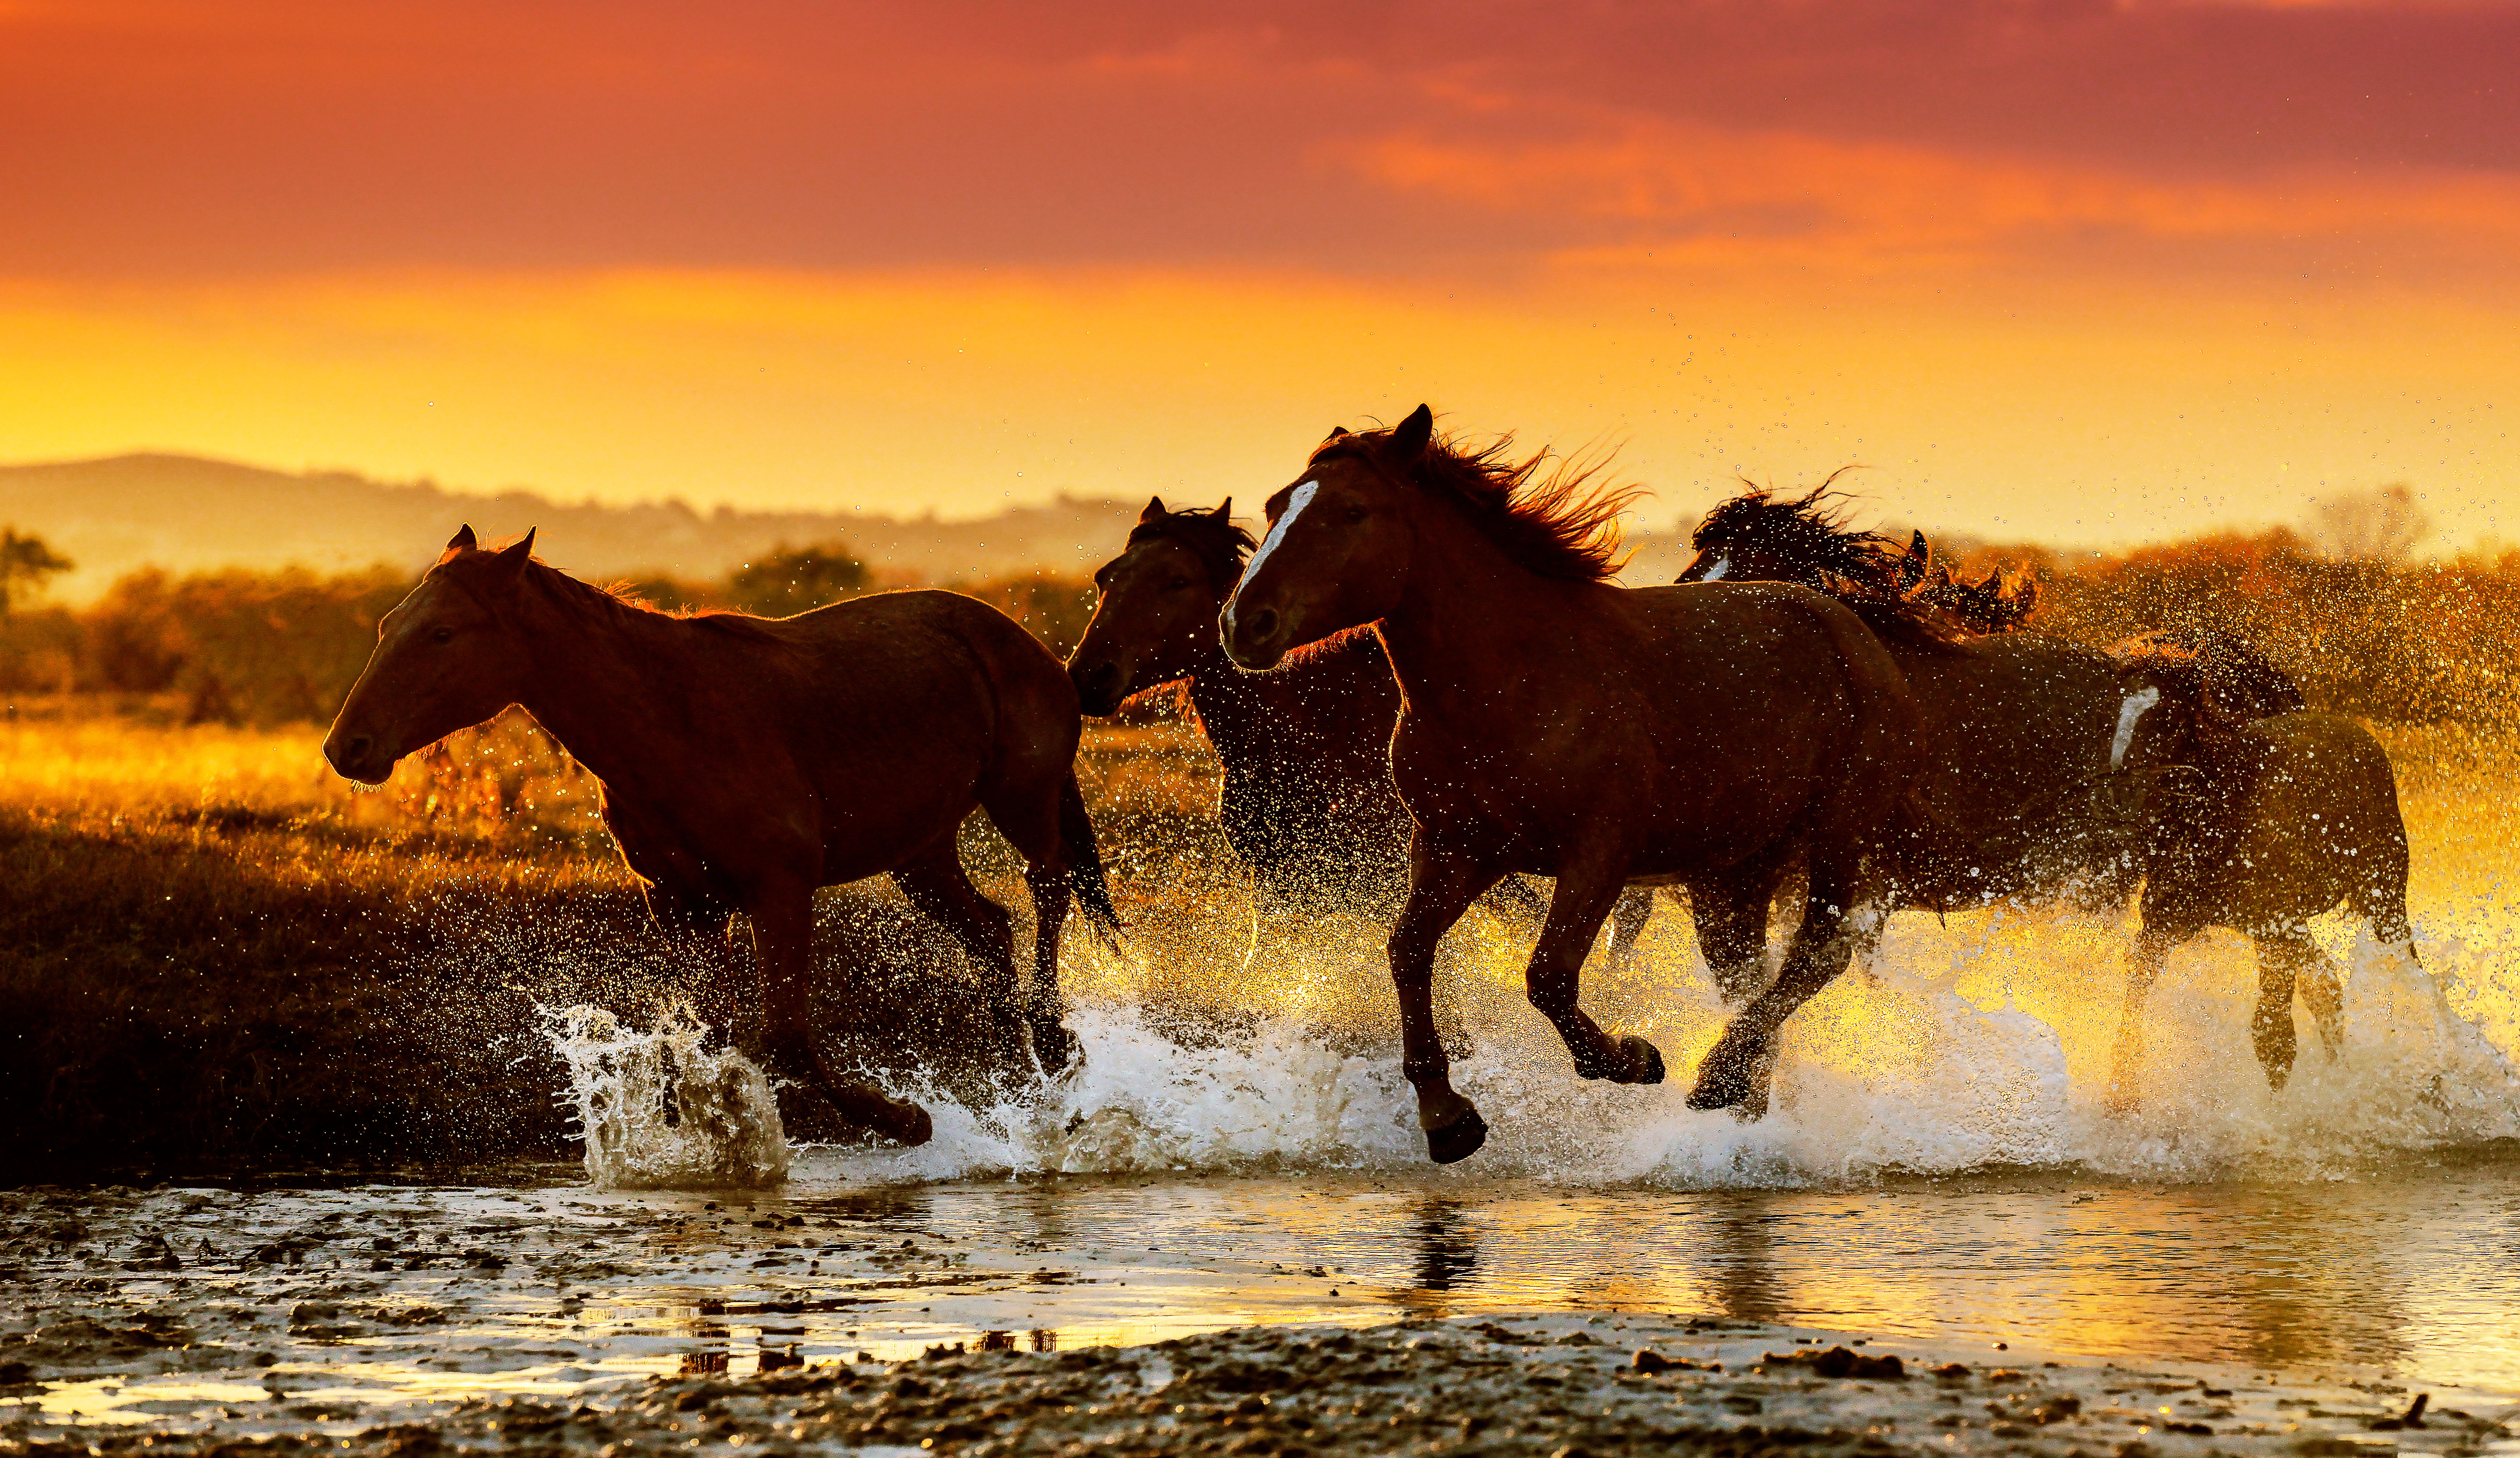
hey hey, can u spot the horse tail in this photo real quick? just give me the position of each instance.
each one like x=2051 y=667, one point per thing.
x=1085 y=863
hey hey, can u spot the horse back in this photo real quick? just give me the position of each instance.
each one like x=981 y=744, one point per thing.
x=2012 y=724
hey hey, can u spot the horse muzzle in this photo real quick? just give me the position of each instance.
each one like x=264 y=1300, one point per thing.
x=1255 y=638
x=1099 y=688
x=358 y=757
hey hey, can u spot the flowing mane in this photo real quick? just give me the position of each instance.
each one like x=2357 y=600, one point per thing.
x=1562 y=524
x=1220 y=544
x=1809 y=531
x=1868 y=571
x=590 y=605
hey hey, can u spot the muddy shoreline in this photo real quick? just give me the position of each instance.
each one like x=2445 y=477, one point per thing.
x=1543 y=1383
x=1266 y=1314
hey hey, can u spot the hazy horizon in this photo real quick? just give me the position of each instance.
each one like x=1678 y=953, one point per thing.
x=2090 y=272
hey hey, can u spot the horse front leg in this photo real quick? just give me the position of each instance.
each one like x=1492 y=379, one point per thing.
x=2284 y=956
x=1736 y=1070
x=783 y=928
x=1441 y=887
x=1554 y=981
x=2126 y=1064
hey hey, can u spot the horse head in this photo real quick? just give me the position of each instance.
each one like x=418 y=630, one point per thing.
x=1337 y=551
x=1156 y=618
x=446 y=658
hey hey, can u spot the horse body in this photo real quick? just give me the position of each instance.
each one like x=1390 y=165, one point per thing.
x=2289 y=817
x=746 y=762
x=1555 y=725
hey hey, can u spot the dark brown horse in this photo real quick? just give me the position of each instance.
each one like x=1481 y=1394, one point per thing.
x=2257 y=822
x=746 y=762
x=1307 y=801
x=2017 y=725
x=1557 y=724
x=2236 y=839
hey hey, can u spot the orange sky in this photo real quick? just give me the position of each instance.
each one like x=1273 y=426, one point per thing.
x=2087 y=271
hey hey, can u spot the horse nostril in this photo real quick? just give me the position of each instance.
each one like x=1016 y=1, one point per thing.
x=1264 y=625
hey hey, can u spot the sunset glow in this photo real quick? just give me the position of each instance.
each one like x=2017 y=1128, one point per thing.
x=2089 y=273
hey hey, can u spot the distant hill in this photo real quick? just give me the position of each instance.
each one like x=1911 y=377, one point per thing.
x=187 y=514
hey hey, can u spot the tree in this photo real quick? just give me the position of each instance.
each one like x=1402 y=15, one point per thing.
x=2380 y=525
x=792 y=579
x=26 y=564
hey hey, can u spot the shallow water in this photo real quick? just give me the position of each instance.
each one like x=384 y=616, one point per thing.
x=397 y=1299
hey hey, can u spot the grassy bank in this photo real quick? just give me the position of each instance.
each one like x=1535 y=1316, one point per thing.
x=217 y=957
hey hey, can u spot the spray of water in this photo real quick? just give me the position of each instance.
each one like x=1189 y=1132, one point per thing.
x=659 y=1110
x=1979 y=1044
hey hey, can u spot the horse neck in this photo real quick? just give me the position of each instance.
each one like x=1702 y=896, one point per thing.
x=592 y=677
x=1468 y=613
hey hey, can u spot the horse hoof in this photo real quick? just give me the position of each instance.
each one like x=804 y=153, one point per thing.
x=1459 y=1139
x=908 y=1125
x=1644 y=1061
x=1718 y=1088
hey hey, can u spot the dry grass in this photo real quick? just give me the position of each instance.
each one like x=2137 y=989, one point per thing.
x=215 y=955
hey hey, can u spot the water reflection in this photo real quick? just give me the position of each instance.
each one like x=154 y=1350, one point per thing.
x=1740 y=1255
x=1448 y=1246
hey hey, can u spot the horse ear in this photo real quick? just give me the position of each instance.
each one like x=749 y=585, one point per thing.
x=1410 y=437
x=1154 y=511
x=512 y=559
x=1225 y=509
x=463 y=540
x=1337 y=432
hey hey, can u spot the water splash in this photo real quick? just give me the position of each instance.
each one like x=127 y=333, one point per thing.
x=660 y=1111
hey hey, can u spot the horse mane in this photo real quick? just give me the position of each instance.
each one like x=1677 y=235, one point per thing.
x=2223 y=676
x=1221 y=546
x=588 y=605
x=1559 y=523
x=1885 y=583
x=1865 y=570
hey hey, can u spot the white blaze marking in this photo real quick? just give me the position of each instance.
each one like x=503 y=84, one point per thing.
x=2136 y=705
x=1723 y=565
x=1295 y=505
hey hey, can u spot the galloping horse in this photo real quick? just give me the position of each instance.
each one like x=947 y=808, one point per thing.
x=1553 y=724
x=746 y=762
x=1307 y=802
x=2017 y=725
x=2270 y=791
x=2289 y=814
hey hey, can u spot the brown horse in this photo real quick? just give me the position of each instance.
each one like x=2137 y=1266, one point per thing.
x=2257 y=824
x=1307 y=801
x=2263 y=788
x=746 y=762
x=2017 y=725
x=1553 y=724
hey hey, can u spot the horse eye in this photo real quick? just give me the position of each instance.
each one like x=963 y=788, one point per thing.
x=1177 y=584
x=442 y=635
x=1356 y=513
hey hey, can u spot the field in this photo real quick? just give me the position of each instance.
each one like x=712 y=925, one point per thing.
x=217 y=955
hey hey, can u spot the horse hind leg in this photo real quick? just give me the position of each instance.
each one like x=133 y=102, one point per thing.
x=937 y=885
x=1041 y=824
x=1628 y=917
x=1736 y=1071
x=1554 y=981
x=1731 y=919
x=2282 y=954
